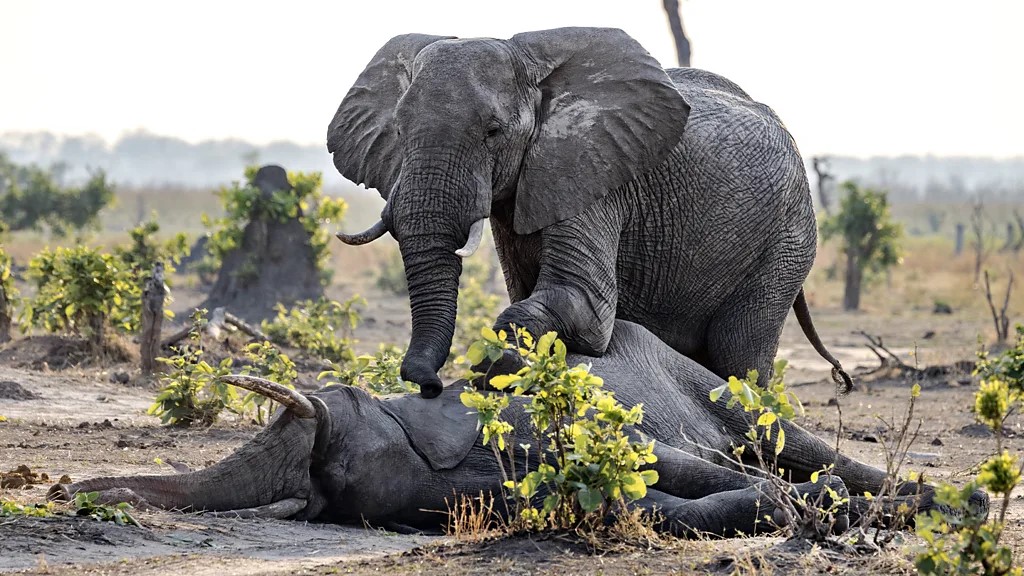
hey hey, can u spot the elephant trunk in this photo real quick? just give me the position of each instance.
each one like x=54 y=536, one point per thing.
x=272 y=467
x=433 y=271
x=435 y=215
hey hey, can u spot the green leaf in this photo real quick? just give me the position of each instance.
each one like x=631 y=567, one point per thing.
x=589 y=500
x=633 y=486
x=717 y=392
x=650 y=477
x=780 y=442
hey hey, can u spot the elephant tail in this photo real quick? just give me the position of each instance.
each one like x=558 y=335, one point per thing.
x=803 y=315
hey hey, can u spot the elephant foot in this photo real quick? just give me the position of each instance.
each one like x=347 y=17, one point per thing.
x=812 y=499
x=509 y=363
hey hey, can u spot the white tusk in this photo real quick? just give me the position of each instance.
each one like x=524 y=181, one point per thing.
x=476 y=234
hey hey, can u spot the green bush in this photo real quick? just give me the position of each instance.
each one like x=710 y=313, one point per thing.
x=958 y=540
x=590 y=467
x=378 y=374
x=8 y=293
x=191 y=392
x=314 y=326
x=765 y=410
x=245 y=202
x=266 y=361
x=144 y=251
x=83 y=292
x=31 y=199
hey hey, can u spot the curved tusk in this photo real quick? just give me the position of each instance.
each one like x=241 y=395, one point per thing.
x=476 y=234
x=283 y=395
x=369 y=235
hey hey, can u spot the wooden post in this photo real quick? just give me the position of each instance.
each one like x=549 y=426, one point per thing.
x=153 y=295
x=5 y=315
x=959 y=247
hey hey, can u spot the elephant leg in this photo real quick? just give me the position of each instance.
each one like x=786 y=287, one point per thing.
x=576 y=291
x=684 y=475
x=744 y=333
x=730 y=512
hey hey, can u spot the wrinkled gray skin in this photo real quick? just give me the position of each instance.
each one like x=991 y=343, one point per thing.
x=389 y=462
x=572 y=142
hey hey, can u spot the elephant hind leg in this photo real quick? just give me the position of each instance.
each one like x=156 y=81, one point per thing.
x=743 y=334
x=733 y=512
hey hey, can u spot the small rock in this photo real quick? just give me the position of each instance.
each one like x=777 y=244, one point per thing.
x=120 y=377
x=942 y=308
x=936 y=442
x=928 y=335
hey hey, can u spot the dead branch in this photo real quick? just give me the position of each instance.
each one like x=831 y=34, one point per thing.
x=1000 y=318
x=244 y=326
x=889 y=360
x=824 y=174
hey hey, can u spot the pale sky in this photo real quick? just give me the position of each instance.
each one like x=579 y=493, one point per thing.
x=865 y=77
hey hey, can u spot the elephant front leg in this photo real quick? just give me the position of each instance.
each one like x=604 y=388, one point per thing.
x=576 y=293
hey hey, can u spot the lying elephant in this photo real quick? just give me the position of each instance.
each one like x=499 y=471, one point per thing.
x=341 y=455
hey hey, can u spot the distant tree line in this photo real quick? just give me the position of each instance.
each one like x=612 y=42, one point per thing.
x=32 y=198
x=143 y=159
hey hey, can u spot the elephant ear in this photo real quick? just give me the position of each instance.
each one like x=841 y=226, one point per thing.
x=441 y=430
x=608 y=114
x=362 y=136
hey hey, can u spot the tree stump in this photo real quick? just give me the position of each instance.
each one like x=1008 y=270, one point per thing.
x=274 y=262
x=154 y=293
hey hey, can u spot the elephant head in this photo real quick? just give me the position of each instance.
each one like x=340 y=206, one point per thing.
x=453 y=131
x=269 y=476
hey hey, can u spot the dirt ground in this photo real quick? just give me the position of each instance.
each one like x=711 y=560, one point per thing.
x=82 y=423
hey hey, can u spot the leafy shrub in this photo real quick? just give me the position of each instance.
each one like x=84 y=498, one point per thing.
x=144 y=251
x=191 y=392
x=266 y=361
x=8 y=294
x=766 y=409
x=245 y=202
x=589 y=466
x=31 y=199
x=965 y=542
x=313 y=327
x=378 y=374
x=82 y=291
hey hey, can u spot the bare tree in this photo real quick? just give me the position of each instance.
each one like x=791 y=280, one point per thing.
x=978 y=230
x=1020 y=232
x=675 y=23
x=823 y=171
x=1001 y=320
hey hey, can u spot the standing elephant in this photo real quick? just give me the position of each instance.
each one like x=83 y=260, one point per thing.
x=615 y=189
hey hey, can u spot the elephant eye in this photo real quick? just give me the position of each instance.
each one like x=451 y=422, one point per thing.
x=493 y=132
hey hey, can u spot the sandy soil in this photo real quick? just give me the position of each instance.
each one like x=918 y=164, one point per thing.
x=81 y=423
